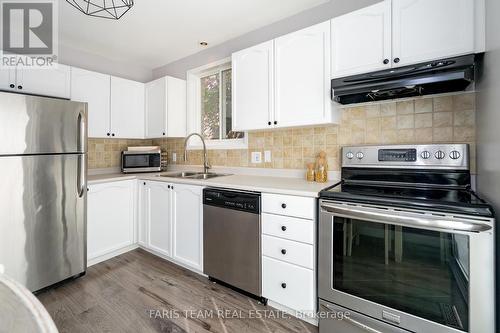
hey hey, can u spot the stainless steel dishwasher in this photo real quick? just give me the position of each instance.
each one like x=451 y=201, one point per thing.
x=231 y=239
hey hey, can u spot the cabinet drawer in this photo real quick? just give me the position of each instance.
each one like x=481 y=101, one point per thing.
x=288 y=205
x=287 y=284
x=288 y=227
x=289 y=251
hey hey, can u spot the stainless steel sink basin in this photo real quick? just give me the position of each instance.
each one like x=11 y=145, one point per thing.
x=193 y=175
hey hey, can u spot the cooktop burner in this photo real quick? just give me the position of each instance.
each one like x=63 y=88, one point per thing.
x=460 y=201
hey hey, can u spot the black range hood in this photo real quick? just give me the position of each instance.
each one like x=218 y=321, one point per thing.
x=435 y=77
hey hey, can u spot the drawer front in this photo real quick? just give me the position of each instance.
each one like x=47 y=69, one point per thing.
x=289 y=205
x=289 y=251
x=289 y=285
x=291 y=228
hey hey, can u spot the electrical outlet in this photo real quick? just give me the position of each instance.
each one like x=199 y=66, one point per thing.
x=174 y=157
x=256 y=157
x=267 y=156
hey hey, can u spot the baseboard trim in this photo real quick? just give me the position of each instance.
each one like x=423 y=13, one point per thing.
x=109 y=255
x=292 y=312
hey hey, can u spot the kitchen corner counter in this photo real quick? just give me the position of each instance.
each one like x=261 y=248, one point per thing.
x=266 y=184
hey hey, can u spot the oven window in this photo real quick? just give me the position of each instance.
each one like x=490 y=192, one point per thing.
x=420 y=272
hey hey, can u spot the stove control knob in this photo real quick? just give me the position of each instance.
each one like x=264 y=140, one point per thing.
x=440 y=155
x=455 y=155
x=349 y=155
x=359 y=155
x=425 y=155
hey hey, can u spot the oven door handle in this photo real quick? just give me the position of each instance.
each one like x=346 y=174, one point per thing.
x=354 y=322
x=400 y=218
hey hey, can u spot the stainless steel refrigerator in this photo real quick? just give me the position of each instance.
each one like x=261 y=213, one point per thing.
x=43 y=185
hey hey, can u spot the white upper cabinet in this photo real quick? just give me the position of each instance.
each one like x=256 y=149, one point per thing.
x=93 y=88
x=156 y=106
x=156 y=229
x=302 y=77
x=53 y=82
x=166 y=108
x=187 y=222
x=361 y=40
x=176 y=107
x=127 y=108
x=431 y=29
x=253 y=87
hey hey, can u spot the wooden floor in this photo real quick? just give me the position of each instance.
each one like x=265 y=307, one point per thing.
x=139 y=292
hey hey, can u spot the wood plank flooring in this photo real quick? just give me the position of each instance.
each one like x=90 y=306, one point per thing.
x=139 y=292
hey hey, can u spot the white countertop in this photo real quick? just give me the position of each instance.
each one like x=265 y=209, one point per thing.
x=266 y=184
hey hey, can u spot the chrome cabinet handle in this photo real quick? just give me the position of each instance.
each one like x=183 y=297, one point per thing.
x=400 y=218
x=354 y=322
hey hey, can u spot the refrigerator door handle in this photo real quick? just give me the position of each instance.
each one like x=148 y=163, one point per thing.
x=82 y=132
x=82 y=175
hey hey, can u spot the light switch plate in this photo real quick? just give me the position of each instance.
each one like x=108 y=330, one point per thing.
x=267 y=156
x=174 y=157
x=256 y=157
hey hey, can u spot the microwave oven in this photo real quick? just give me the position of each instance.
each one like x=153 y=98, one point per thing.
x=141 y=160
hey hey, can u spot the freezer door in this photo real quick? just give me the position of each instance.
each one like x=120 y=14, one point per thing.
x=40 y=125
x=43 y=218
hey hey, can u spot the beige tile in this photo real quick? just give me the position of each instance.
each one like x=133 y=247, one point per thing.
x=442 y=134
x=358 y=136
x=373 y=137
x=388 y=109
x=423 y=105
x=444 y=103
x=372 y=124
x=442 y=119
x=319 y=130
x=406 y=135
x=308 y=152
x=464 y=118
x=358 y=124
x=344 y=136
x=461 y=134
x=406 y=107
x=387 y=123
x=406 y=121
x=331 y=139
x=463 y=102
x=388 y=136
x=423 y=135
x=423 y=120
x=372 y=110
x=319 y=139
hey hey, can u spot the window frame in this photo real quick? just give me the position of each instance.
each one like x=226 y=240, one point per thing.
x=194 y=107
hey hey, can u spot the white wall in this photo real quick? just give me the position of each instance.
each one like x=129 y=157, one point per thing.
x=304 y=19
x=488 y=122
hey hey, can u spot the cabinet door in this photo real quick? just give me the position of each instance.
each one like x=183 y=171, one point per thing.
x=7 y=79
x=361 y=40
x=187 y=221
x=176 y=108
x=110 y=218
x=156 y=108
x=127 y=108
x=302 y=79
x=93 y=88
x=54 y=82
x=431 y=29
x=155 y=204
x=253 y=85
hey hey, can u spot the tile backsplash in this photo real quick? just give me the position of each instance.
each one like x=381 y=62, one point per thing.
x=441 y=119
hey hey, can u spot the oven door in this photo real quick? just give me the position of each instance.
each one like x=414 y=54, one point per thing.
x=418 y=271
x=141 y=162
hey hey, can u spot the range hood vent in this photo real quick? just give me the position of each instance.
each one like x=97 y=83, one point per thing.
x=436 y=77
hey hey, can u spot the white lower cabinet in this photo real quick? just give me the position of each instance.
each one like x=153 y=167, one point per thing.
x=110 y=219
x=171 y=220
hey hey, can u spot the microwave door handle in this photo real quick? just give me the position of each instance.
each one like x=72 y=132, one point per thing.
x=445 y=223
x=353 y=322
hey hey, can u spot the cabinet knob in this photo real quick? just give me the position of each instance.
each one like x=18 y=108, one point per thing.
x=283 y=285
x=283 y=228
x=269 y=123
x=386 y=61
x=88 y=189
x=283 y=251
x=20 y=87
x=396 y=60
x=163 y=133
x=12 y=86
x=108 y=134
x=283 y=205
x=113 y=134
x=172 y=187
x=275 y=122
x=144 y=183
x=168 y=186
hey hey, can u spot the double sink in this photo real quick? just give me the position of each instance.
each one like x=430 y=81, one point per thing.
x=193 y=175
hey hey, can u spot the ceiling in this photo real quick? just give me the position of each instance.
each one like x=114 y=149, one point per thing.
x=156 y=32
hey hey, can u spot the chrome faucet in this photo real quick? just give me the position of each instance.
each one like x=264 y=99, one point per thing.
x=206 y=166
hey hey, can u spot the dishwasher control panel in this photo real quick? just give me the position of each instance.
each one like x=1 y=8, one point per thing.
x=244 y=201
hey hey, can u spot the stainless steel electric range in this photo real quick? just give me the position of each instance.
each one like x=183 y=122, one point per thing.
x=405 y=245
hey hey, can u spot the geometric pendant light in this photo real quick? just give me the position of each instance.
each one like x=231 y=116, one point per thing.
x=112 y=9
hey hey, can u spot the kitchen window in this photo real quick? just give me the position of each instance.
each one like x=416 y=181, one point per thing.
x=210 y=107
